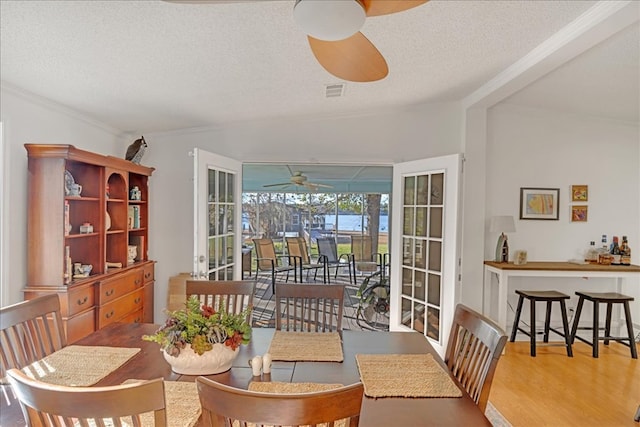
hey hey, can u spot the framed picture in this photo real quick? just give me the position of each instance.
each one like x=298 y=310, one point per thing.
x=579 y=213
x=579 y=193
x=539 y=203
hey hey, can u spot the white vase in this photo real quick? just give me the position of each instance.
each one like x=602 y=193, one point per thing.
x=188 y=362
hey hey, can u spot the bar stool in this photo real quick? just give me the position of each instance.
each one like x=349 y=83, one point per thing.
x=608 y=298
x=548 y=297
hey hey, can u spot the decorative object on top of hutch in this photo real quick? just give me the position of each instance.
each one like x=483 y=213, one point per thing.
x=114 y=290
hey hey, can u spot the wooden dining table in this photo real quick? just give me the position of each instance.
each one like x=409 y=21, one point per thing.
x=384 y=412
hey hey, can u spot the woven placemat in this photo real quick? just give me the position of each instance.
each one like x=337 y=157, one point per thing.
x=404 y=375
x=306 y=347
x=287 y=388
x=183 y=404
x=77 y=365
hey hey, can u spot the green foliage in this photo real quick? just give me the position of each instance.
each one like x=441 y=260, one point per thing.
x=202 y=327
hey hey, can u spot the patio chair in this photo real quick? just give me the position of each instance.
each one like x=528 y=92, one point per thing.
x=297 y=249
x=268 y=261
x=56 y=405
x=364 y=260
x=327 y=247
x=223 y=405
x=475 y=345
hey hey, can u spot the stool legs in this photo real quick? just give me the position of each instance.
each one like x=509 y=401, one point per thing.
x=547 y=323
x=574 y=328
x=596 y=328
x=532 y=335
x=516 y=321
x=632 y=344
x=565 y=327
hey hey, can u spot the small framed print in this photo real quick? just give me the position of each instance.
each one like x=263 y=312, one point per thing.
x=579 y=193
x=539 y=203
x=579 y=213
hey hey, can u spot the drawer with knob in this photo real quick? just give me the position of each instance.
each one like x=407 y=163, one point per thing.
x=118 y=309
x=115 y=287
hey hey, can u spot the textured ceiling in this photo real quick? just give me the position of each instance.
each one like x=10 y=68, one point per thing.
x=152 y=66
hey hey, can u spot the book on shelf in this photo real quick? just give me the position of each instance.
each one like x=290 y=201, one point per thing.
x=138 y=242
x=133 y=218
x=67 y=224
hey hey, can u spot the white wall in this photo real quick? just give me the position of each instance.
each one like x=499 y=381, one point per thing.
x=536 y=148
x=421 y=132
x=26 y=118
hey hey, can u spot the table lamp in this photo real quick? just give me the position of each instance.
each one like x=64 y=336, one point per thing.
x=502 y=224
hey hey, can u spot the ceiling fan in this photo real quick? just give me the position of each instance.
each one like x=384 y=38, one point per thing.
x=300 y=180
x=333 y=29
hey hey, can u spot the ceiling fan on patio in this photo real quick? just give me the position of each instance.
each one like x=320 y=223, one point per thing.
x=333 y=31
x=300 y=180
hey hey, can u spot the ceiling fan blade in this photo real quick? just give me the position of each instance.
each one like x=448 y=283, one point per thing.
x=355 y=59
x=322 y=185
x=385 y=7
x=277 y=185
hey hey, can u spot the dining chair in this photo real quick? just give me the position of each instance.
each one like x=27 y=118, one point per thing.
x=327 y=247
x=222 y=405
x=364 y=259
x=29 y=331
x=233 y=295
x=475 y=345
x=309 y=307
x=268 y=260
x=53 y=405
x=297 y=249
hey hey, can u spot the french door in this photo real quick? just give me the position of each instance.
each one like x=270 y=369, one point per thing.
x=424 y=241
x=217 y=217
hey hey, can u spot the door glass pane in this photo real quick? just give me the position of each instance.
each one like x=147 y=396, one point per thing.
x=423 y=190
x=421 y=221
x=212 y=185
x=406 y=312
x=407 y=282
x=421 y=253
x=434 y=289
x=435 y=255
x=437 y=190
x=418 y=317
x=433 y=323
x=221 y=225
x=407 y=251
x=222 y=186
x=420 y=285
x=409 y=190
x=435 y=223
x=407 y=226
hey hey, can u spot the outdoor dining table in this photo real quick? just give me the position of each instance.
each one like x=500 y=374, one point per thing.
x=149 y=363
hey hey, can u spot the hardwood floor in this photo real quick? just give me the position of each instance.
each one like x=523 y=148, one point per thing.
x=555 y=390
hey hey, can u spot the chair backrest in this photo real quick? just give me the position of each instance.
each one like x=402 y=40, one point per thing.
x=328 y=248
x=309 y=307
x=362 y=248
x=297 y=247
x=55 y=405
x=234 y=295
x=265 y=254
x=222 y=405
x=475 y=345
x=30 y=330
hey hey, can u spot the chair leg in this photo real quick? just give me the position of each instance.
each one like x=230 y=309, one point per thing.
x=576 y=319
x=607 y=324
x=547 y=322
x=596 y=327
x=532 y=335
x=516 y=321
x=632 y=344
x=565 y=326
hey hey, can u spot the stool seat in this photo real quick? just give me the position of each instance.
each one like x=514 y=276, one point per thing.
x=608 y=298
x=543 y=295
x=604 y=296
x=548 y=297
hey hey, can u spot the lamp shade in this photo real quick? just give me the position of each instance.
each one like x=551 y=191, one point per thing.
x=502 y=224
x=329 y=19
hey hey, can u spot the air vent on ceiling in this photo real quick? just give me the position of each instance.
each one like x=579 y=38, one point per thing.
x=333 y=91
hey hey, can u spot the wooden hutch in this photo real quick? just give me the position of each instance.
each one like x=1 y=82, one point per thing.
x=116 y=290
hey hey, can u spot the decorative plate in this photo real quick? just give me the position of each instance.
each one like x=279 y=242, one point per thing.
x=68 y=182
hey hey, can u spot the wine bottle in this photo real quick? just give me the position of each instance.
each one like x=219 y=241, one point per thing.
x=603 y=253
x=614 y=250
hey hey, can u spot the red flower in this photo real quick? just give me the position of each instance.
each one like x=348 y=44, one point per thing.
x=234 y=341
x=208 y=311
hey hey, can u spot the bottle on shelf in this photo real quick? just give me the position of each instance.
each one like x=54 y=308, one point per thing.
x=625 y=252
x=604 y=257
x=614 y=250
x=592 y=253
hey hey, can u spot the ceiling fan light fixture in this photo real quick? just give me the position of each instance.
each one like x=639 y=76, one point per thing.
x=329 y=20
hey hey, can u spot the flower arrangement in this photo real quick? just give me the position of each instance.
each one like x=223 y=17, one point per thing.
x=202 y=327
